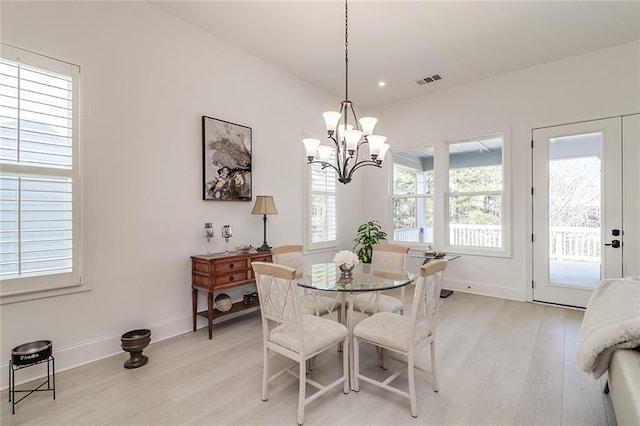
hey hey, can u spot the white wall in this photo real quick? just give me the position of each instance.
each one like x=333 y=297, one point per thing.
x=147 y=78
x=593 y=85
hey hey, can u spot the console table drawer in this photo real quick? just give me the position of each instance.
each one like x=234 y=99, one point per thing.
x=260 y=258
x=230 y=265
x=236 y=278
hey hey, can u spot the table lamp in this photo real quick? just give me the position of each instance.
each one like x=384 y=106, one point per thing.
x=264 y=206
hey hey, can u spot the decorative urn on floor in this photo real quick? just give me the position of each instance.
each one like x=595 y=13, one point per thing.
x=134 y=342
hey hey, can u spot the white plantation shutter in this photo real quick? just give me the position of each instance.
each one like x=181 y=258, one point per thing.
x=39 y=212
x=322 y=212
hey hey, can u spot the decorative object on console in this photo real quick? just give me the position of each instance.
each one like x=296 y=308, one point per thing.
x=264 y=206
x=347 y=138
x=207 y=234
x=244 y=247
x=223 y=302
x=434 y=254
x=227 y=233
x=249 y=298
x=226 y=160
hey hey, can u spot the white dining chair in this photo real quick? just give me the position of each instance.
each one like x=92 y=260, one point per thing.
x=311 y=302
x=297 y=336
x=405 y=335
x=385 y=258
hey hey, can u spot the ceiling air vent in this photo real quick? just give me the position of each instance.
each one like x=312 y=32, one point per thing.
x=429 y=79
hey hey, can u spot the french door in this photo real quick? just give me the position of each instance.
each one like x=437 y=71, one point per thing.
x=577 y=209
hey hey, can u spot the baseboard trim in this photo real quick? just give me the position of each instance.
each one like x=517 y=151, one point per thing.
x=83 y=353
x=484 y=289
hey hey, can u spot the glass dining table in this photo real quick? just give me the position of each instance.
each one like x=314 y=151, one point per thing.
x=326 y=277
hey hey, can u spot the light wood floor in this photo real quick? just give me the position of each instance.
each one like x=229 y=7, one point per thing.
x=500 y=362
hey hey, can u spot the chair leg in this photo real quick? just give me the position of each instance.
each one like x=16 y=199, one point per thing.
x=433 y=367
x=265 y=374
x=302 y=390
x=356 y=364
x=382 y=359
x=411 y=372
x=383 y=356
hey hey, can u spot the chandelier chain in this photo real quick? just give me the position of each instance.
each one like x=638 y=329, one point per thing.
x=346 y=50
x=347 y=138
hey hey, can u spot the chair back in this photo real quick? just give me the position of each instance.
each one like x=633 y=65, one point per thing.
x=290 y=256
x=427 y=293
x=389 y=257
x=277 y=290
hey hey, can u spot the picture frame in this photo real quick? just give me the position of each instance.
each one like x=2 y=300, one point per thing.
x=226 y=160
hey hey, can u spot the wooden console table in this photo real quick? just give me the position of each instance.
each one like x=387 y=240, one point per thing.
x=218 y=271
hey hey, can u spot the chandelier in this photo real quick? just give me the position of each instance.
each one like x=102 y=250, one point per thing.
x=347 y=138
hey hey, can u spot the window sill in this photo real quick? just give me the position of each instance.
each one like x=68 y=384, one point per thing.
x=24 y=296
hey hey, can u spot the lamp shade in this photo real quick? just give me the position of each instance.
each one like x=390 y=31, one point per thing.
x=264 y=205
x=311 y=146
x=375 y=144
x=368 y=123
x=331 y=119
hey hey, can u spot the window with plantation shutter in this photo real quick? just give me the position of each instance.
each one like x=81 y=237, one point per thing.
x=322 y=206
x=39 y=208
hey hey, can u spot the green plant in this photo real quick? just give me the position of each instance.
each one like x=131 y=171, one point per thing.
x=369 y=233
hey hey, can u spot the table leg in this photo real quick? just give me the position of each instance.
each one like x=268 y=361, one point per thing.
x=194 y=305
x=210 y=314
x=343 y=314
x=350 y=328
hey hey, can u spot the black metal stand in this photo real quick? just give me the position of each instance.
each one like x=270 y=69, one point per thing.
x=50 y=382
x=445 y=293
x=264 y=246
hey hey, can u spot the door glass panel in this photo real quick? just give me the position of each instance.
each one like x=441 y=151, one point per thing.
x=575 y=209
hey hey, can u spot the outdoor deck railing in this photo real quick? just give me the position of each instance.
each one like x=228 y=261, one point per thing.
x=566 y=243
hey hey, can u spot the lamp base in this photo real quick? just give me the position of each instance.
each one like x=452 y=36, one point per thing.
x=264 y=247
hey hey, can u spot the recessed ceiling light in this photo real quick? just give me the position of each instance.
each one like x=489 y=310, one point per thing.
x=381 y=84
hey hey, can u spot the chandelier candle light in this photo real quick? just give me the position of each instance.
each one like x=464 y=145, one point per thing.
x=346 y=137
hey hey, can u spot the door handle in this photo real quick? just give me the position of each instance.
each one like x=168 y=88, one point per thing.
x=614 y=244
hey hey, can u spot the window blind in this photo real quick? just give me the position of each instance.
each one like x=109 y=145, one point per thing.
x=36 y=184
x=323 y=203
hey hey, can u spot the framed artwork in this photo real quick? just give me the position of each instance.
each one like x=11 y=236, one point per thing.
x=226 y=160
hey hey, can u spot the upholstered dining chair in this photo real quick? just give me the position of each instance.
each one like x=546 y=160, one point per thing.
x=290 y=333
x=385 y=258
x=405 y=334
x=311 y=302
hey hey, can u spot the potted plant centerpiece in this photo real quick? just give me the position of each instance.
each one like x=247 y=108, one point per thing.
x=369 y=233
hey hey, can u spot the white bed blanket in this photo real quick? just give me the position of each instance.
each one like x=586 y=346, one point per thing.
x=611 y=321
